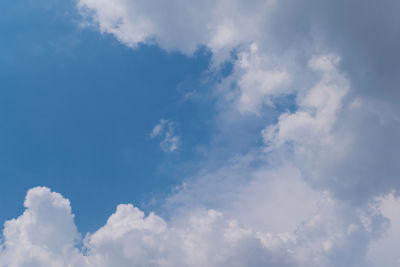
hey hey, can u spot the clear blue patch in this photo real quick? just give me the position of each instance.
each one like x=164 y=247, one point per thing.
x=76 y=108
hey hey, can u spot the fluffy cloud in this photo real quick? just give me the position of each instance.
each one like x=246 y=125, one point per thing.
x=177 y=25
x=317 y=110
x=259 y=79
x=45 y=235
x=334 y=150
x=335 y=137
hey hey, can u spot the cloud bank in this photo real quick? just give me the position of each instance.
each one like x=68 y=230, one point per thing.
x=45 y=235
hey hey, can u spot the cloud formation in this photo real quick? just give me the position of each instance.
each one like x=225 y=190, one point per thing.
x=207 y=23
x=45 y=235
x=166 y=130
x=334 y=149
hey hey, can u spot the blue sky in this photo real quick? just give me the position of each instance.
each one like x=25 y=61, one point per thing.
x=199 y=133
x=77 y=109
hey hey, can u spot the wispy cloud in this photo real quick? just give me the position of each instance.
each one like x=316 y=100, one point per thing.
x=165 y=130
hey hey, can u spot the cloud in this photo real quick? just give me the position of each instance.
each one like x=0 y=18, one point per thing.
x=258 y=78
x=335 y=138
x=311 y=125
x=334 y=149
x=207 y=23
x=166 y=130
x=319 y=228
x=45 y=235
x=384 y=251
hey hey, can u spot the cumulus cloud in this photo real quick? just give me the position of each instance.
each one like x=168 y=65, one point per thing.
x=178 y=25
x=335 y=138
x=45 y=235
x=311 y=125
x=259 y=79
x=166 y=130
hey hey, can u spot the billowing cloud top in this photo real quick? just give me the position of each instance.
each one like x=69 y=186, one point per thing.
x=45 y=235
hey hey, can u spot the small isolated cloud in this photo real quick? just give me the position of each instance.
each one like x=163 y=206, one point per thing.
x=165 y=129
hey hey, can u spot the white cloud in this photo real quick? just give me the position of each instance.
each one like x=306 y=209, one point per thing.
x=157 y=130
x=239 y=190
x=334 y=137
x=385 y=251
x=258 y=79
x=317 y=110
x=45 y=235
x=177 y=25
x=166 y=130
x=334 y=152
x=257 y=83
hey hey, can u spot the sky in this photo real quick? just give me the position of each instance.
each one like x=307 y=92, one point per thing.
x=199 y=133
